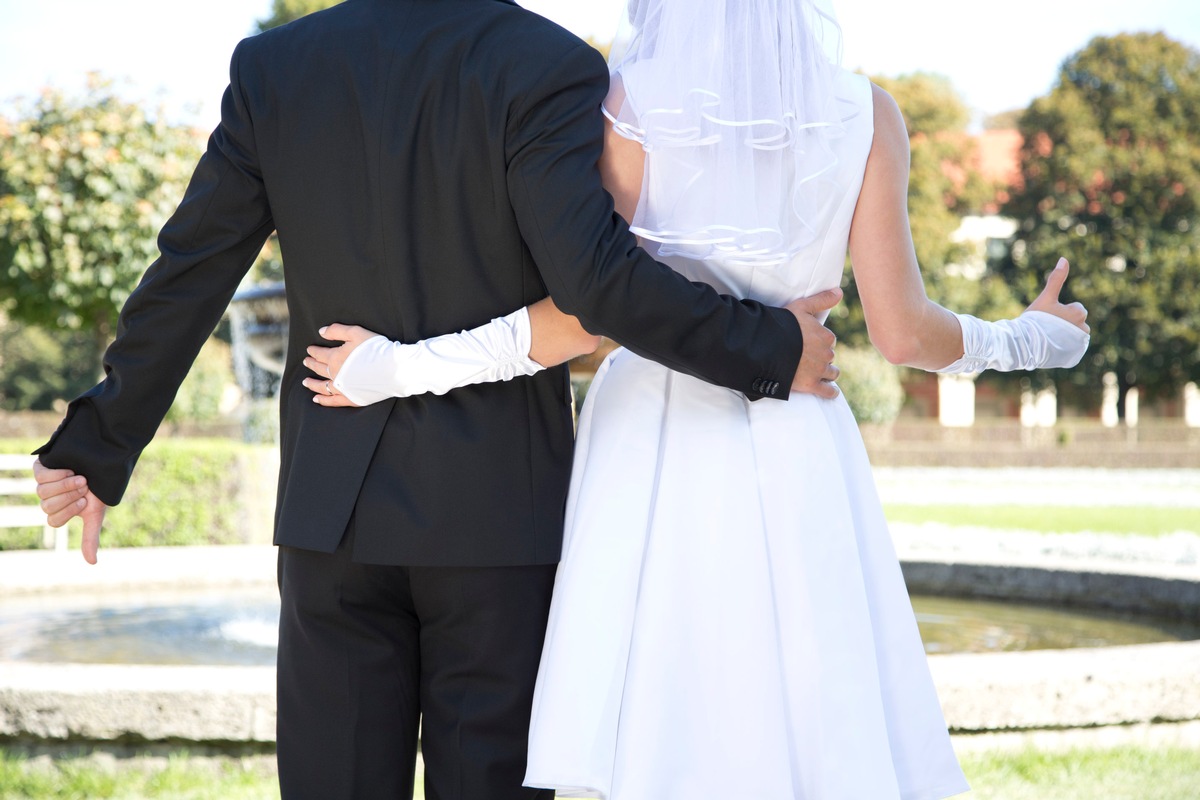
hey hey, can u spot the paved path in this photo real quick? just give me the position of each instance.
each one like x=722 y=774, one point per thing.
x=136 y=569
x=1175 y=488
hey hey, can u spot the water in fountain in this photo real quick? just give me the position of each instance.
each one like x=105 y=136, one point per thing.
x=227 y=626
x=239 y=627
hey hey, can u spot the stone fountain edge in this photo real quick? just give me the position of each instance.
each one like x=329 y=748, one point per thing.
x=232 y=709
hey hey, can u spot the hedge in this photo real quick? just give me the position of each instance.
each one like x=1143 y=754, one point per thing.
x=183 y=492
x=871 y=385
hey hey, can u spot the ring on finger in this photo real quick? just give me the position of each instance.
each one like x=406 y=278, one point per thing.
x=328 y=389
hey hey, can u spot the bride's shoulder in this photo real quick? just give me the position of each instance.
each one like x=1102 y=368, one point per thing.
x=888 y=159
x=890 y=129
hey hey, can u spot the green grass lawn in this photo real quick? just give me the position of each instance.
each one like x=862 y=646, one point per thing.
x=1144 y=520
x=1121 y=774
x=1118 y=774
x=179 y=779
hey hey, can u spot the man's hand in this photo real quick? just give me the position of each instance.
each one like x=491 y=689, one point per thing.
x=65 y=495
x=816 y=372
x=1048 y=302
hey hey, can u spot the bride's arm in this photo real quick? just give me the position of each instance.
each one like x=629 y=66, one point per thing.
x=557 y=337
x=904 y=324
x=622 y=163
x=367 y=368
x=404 y=370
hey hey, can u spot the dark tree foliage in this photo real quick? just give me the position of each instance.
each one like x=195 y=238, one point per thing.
x=85 y=185
x=1004 y=121
x=40 y=366
x=1111 y=166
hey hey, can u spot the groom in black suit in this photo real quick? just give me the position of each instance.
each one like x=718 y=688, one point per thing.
x=429 y=165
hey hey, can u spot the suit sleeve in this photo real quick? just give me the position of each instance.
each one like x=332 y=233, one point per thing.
x=205 y=248
x=591 y=263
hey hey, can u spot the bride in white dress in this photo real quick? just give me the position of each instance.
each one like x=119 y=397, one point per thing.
x=729 y=619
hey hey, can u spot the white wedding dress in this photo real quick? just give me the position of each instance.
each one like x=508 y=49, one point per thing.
x=730 y=621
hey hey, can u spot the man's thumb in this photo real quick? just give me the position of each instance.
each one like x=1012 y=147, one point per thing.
x=820 y=302
x=93 y=521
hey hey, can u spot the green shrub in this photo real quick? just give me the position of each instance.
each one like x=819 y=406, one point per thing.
x=199 y=398
x=19 y=538
x=183 y=492
x=871 y=385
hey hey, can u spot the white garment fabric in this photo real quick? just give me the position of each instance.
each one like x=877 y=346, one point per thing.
x=379 y=369
x=733 y=102
x=1034 y=340
x=729 y=619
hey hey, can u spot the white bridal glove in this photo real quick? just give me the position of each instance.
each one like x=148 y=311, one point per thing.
x=1034 y=340
x=379 y=368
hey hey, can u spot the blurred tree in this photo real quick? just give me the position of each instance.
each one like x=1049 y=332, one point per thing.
x=1111 y=163
x=944 y=186
x=39 y=366
x=1004 y=121
x=284 y=11
x=85 y=185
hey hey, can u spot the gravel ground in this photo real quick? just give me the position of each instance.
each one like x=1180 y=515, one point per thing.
x=1051 y=487
x=1176 y=488
x=914 y=541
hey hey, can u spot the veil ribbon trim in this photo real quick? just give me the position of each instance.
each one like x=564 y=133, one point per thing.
x=735 y=103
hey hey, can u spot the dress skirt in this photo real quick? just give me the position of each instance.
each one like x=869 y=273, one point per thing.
x=729 y=618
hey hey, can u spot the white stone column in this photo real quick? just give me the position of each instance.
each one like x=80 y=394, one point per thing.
x=956 y=401
x=1191 y=405
x=1039 y=409
x=1108 y=403
x=1132 y=396
x=1028 y=408
x=1045 y=405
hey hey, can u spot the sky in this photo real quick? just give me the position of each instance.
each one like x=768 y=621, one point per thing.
x=999 y=55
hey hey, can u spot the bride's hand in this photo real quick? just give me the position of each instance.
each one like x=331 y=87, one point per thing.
x=326 y=362
x=1048 y=302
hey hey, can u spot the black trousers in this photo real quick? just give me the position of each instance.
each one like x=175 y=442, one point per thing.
x=368 y=652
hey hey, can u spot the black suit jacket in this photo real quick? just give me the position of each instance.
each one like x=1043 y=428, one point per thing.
x=429 y=165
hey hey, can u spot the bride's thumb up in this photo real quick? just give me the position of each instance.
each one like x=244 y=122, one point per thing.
x=1048 y=301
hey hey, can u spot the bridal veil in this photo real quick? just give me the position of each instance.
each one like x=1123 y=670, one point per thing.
x=735 y=104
